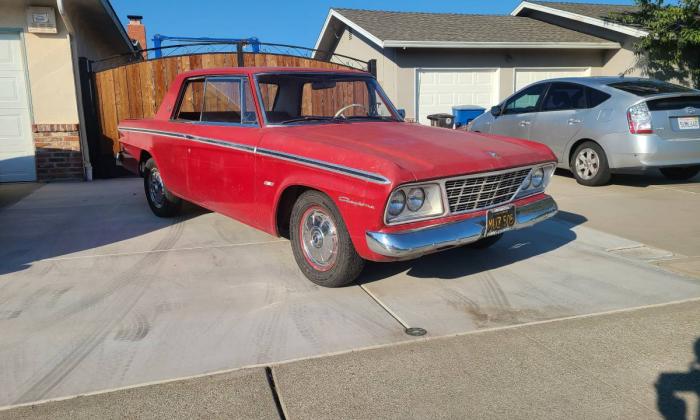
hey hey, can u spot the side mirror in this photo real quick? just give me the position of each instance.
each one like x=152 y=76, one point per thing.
x=402 y=113
x=496 y=110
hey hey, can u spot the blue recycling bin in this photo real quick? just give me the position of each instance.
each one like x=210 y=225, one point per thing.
x=465 y=113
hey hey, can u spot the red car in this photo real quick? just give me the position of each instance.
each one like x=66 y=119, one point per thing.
x=323 y=158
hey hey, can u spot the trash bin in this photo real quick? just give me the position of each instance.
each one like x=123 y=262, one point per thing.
x=441 y=120
x=465 y=113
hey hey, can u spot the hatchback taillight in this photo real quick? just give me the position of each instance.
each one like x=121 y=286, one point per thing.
x=639 y=119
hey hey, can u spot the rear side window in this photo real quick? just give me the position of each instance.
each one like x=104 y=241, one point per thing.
x=225 y=100
x=190 y=108
x=596 y=97
x=562 y=96
x=526 y=101
x=649 y=87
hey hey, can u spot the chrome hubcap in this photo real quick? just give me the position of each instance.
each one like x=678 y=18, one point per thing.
x=319 y=239
x=587 y=163
x=155 y=188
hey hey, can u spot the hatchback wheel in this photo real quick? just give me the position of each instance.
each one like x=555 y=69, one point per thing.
x=161 y=201
x=590 y=165
x=681 y=173
x=320 y=242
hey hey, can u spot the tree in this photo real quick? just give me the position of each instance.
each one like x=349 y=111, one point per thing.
x=671 y=50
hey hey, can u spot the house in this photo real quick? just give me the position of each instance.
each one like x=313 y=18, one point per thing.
x=42 y=46
x=428 y=62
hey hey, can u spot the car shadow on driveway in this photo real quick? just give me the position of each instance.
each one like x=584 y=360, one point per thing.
x=640 y=178
x=42 y=233
x=513 y=247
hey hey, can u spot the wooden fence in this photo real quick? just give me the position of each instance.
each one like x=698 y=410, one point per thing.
x=136 y=90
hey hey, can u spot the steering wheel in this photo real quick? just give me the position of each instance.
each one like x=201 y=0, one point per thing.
x=341 y=110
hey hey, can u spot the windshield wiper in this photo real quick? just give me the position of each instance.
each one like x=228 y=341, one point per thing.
x=312 y=118
x=372 y=117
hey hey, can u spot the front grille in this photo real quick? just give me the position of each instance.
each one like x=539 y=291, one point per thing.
x=480 y=192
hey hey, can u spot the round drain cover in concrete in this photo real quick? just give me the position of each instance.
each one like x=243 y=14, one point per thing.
x=415 y=331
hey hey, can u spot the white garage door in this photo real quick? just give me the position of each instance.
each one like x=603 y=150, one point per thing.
x=524 y=77
x=440 y=90
x=16 y=148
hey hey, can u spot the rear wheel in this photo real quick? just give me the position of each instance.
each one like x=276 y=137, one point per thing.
x=681 y=173
x=590 y=165
x=161 y=201
x=320 y=242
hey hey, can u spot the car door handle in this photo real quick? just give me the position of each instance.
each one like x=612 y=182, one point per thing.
x=573 y=121
x=524 y=123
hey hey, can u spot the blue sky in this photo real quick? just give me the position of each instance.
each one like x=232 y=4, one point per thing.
x=280 y=21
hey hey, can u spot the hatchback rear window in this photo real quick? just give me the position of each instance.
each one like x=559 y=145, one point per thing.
x=649 y=87
x=676 y=102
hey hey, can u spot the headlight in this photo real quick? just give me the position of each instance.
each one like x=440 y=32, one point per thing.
x=414 y=202
x=416 y=198
x=537 y=178
x=396 y=203
x=536 y=181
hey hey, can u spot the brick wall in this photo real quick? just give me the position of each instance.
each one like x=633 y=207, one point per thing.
x=58 y=153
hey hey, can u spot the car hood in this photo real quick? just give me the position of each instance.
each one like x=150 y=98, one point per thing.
x=425 y=152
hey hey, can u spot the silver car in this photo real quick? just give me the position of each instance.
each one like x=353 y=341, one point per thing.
x=596 y=125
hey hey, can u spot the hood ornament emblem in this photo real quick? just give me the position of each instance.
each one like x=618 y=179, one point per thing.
x=493 y=154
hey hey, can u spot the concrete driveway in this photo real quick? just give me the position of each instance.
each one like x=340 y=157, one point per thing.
x=97 y=293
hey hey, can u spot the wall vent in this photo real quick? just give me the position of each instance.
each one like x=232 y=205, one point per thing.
x=41 y=20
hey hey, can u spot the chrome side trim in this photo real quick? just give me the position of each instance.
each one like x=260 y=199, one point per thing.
x=344 y=170
x=415 y=243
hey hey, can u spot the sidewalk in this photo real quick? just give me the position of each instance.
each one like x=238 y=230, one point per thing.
x=598 y=366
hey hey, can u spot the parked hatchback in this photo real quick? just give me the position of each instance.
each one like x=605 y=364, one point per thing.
x=597 y=125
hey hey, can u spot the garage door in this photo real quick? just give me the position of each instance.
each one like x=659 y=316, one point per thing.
x=16 y=148
x=524 y=77
x=440 y=90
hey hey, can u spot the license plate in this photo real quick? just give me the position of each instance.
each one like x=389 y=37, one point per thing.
x=688 y=123
x=500 y=219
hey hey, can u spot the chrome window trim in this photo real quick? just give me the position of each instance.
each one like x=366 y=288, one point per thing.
x=445 y=201
x=315 y=163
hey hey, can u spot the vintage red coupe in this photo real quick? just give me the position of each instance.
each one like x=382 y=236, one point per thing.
x=323 y=158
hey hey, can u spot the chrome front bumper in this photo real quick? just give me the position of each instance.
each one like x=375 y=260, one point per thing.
x=414 y=243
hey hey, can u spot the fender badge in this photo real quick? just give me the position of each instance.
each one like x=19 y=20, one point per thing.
x=344 y=199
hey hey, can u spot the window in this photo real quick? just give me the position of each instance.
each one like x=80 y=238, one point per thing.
x=596 y=97
x=228 y=100
x=191 y=101
x=562 y=96
x=526 y=101
x=322 y=98
x=217 y=100
x=268 y=93
x=649 y=87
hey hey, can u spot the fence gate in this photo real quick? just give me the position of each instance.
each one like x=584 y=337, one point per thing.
x=112 y=93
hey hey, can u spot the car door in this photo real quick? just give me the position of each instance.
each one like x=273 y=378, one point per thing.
x=562 y=114
x=518 y=112
x=221 y=159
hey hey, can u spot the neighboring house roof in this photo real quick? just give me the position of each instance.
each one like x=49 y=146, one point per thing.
x=449 y=30
x=592 y=14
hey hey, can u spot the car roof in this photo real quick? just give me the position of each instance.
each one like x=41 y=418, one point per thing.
x=259 y=70
x=596 y=80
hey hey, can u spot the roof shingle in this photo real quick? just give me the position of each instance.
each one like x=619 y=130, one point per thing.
x=446 y=27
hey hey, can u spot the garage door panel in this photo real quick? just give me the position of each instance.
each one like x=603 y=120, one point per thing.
x=16 y=146
x=524 y=77
x=440 y=90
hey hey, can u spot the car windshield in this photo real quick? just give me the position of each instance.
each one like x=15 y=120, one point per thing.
x=317 y=98
x=649 y=87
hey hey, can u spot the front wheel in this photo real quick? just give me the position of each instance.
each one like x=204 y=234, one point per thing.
x=161 y=201
x=589 y=165
x=681 y=173
x=320 y=241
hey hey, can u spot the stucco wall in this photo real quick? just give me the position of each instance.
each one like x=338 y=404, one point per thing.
x=49 y=68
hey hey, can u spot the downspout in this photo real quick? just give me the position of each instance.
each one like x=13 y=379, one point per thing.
x=84 y=150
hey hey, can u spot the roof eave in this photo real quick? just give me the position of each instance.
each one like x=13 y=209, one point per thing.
x=332 y=13
x=627 y=30
x=514 y=45
x=113 y=15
